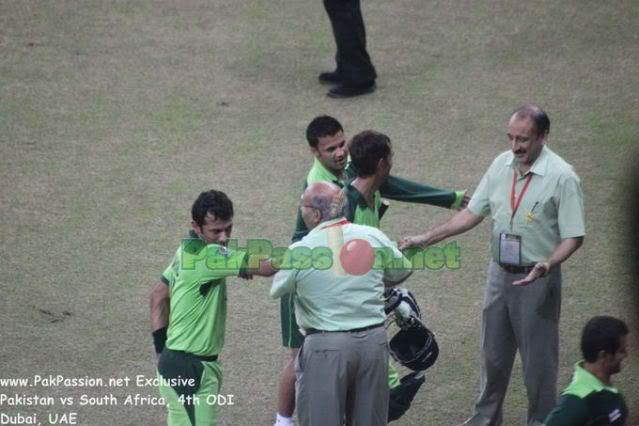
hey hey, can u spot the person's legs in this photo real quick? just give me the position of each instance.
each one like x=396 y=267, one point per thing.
x=189 y=404
x=292 y=339
x=535 y=314
x=286 y=388
x=322 y=380
x=353 y=62
x=498 y=349
x=368 y=395
x=206 y=409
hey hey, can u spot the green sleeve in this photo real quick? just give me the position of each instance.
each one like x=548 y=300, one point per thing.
x=570 y=411
x=222 y=263
x=207 y=262
x=396 y=188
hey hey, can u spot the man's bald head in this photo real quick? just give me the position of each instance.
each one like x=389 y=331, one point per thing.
x=322 y=201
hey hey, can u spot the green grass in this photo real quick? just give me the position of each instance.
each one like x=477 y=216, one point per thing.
x=114 y=115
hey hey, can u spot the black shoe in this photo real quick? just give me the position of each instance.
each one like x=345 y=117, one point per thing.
x=330 y=78
x=347 y=91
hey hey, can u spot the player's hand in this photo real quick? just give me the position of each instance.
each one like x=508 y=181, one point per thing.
x=411 y=241
x=538 y=271
x=465 y=200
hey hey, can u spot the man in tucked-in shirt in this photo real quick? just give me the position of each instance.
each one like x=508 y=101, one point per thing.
x=338 y=273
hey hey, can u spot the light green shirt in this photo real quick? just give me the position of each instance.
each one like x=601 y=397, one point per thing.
x=328 y=301
x=196 y=278
x=551 y=209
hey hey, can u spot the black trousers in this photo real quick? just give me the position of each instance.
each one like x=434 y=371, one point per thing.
x=353 y=63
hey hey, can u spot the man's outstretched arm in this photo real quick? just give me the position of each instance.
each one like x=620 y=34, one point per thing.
x=458 y=224
x=265 y=269
x=399 y=189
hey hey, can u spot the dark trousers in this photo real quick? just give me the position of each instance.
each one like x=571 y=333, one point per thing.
x=353 y=63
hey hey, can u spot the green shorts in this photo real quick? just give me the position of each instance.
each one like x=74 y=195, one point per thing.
x=189 y=404
x=291 y=336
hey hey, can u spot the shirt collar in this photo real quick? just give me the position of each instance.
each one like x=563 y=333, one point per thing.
x=324 y=173
x=539 y=167
x=590 y=380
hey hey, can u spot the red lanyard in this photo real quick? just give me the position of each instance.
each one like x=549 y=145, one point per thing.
x=516 y=201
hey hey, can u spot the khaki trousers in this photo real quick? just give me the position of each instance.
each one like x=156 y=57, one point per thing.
x=342 y=379
x=524 y=318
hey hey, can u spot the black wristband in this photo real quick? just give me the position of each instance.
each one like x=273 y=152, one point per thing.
x=159 y=339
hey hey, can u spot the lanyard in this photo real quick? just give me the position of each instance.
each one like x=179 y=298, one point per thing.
x=516 y=201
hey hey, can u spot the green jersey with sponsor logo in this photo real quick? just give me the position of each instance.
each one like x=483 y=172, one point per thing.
x=196 y=278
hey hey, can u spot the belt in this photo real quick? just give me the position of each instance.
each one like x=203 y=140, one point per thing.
x=513 y=269
x=310 y=331
x=206 y=358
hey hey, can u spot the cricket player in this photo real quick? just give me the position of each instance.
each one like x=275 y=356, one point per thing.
x=188 y=312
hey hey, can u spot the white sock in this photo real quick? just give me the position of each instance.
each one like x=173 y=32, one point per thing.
x=283 y=421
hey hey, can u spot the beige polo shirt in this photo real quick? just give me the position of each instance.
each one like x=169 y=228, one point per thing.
x=551 y=208
x=326 y=300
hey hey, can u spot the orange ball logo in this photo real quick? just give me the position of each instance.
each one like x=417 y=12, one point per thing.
x=357 y=257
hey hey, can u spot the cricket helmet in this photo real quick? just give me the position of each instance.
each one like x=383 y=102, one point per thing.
x=414 y=346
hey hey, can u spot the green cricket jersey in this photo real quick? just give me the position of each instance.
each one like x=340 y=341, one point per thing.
x=587 y=401
x=196 y=278
x=358 y=211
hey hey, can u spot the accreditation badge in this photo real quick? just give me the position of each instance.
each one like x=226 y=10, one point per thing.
x=509 y=249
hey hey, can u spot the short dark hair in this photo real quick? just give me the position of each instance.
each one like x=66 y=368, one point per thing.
x=320 y=127
x=213 y=202
x=538 y=116
x=366 y=149
x=602 y=333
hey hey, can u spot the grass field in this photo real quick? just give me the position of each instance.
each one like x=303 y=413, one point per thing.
x=114 y=115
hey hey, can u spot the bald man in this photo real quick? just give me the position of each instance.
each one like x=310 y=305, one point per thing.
x=342 y=368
